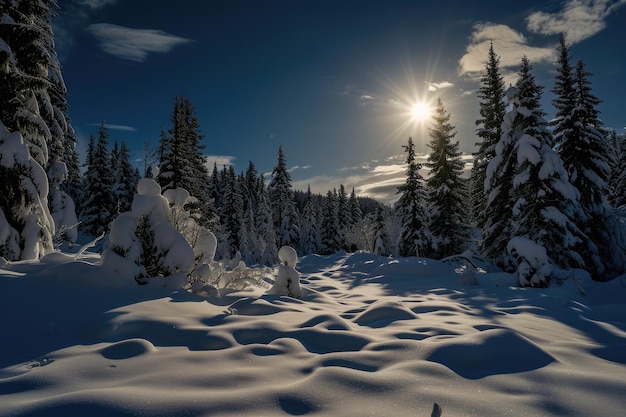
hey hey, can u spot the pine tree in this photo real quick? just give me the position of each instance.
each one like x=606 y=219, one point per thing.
x=99 y=206
x=492 y=109
x=33 y=127
x=125 y=178
x=544 y=199
x=446 y=189
x=381 y=240
x=499 y=228
x=416 y=238
x=565 y=97
x=344 y=218
x=589 y=172
x=310 y=231
x=182 y=164
x=283 y=204
x=232 y=213
x=619 y=174
x=329 y=231
x=265 y=227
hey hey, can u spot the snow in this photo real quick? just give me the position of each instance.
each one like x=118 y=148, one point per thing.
x=371 y=336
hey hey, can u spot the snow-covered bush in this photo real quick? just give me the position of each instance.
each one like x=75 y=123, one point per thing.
x=287 y=280
x=534 y=268
x=144 y=242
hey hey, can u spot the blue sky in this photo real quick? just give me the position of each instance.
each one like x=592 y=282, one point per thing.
x=332 y=81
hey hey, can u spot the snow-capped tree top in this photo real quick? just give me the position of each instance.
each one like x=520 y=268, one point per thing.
x=288 y=256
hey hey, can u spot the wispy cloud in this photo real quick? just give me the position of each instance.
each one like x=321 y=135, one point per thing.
x=579 y=19
x=296 y=167
x=134 y=44
x=116 y=127
x=509 y=44
x=375 y=179
x=438 y=86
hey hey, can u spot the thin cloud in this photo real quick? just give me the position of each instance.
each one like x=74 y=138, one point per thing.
x=439 y=86
x=134 y=44
x=509 y=44
x=116 y=127
x=579 y=19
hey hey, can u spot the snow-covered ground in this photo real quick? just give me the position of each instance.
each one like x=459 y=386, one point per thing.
x=371 y=336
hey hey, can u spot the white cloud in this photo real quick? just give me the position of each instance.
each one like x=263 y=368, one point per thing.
x=579 y=19
x=509 y=44
x=133 y=44
x=219 y=160
x=438 y=86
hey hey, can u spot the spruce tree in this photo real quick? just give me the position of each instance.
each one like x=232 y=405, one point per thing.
x=544 y=199
x=416 y=238
x=492 y=109
x=232 y=213
x=266 y=231
x=283 y=204
x=125 y=178
x=33 y=130
x=182 y=164
x=447 y=194
x=310 y=231
x=381 y=239
x=99 y=206
x=329 y=230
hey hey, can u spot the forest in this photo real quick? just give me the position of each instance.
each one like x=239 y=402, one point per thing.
x=543 y=195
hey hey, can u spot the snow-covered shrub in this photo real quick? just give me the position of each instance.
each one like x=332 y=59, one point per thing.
x=534 y=268
x=287 y=280
x=144 y=242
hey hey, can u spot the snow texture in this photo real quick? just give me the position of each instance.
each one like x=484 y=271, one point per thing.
x=370 y=336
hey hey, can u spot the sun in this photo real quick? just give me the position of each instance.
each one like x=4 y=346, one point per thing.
x=421 y=112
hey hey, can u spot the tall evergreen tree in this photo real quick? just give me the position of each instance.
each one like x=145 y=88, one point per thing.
x=447 y=190
x=589 y=172
x=265 y=227
x=99 y=206
x=232 y=213
x=416 y=238
x=565 y=96
x=182 y=164
x=329 y=232
x=310 y=231
x=492 y=109
x=283 y=204
x=125 y=178
x=381 y=239
x=544 y=199
x=33 y=128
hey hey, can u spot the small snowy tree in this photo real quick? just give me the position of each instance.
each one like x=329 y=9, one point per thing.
x=283 y=204
x=416 y=238
x=287 y=280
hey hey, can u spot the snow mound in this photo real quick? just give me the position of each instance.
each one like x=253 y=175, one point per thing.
x=490 y=352
x=383 y=313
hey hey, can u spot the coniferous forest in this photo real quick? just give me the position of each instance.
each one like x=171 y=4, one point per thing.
x=543 y=195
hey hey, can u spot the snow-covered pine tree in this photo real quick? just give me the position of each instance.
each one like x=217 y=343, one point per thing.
x=381 y=240
x=232 y=212
x=619 y=175
x=32 y=126
x=125 y=178
x=309 y=227
x=565 y=97
x=283 y=204
x=416 y=238
x=544 y=198
x=447 y=193
x=589 y=172
x=99 y=205
x=356 y=214
x=329 y=230
x=182 y=164
x=489 y=131
x=266 y=232
x=343 y=215
x=498 y=228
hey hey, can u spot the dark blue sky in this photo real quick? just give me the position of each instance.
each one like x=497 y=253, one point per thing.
x=332 y=81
